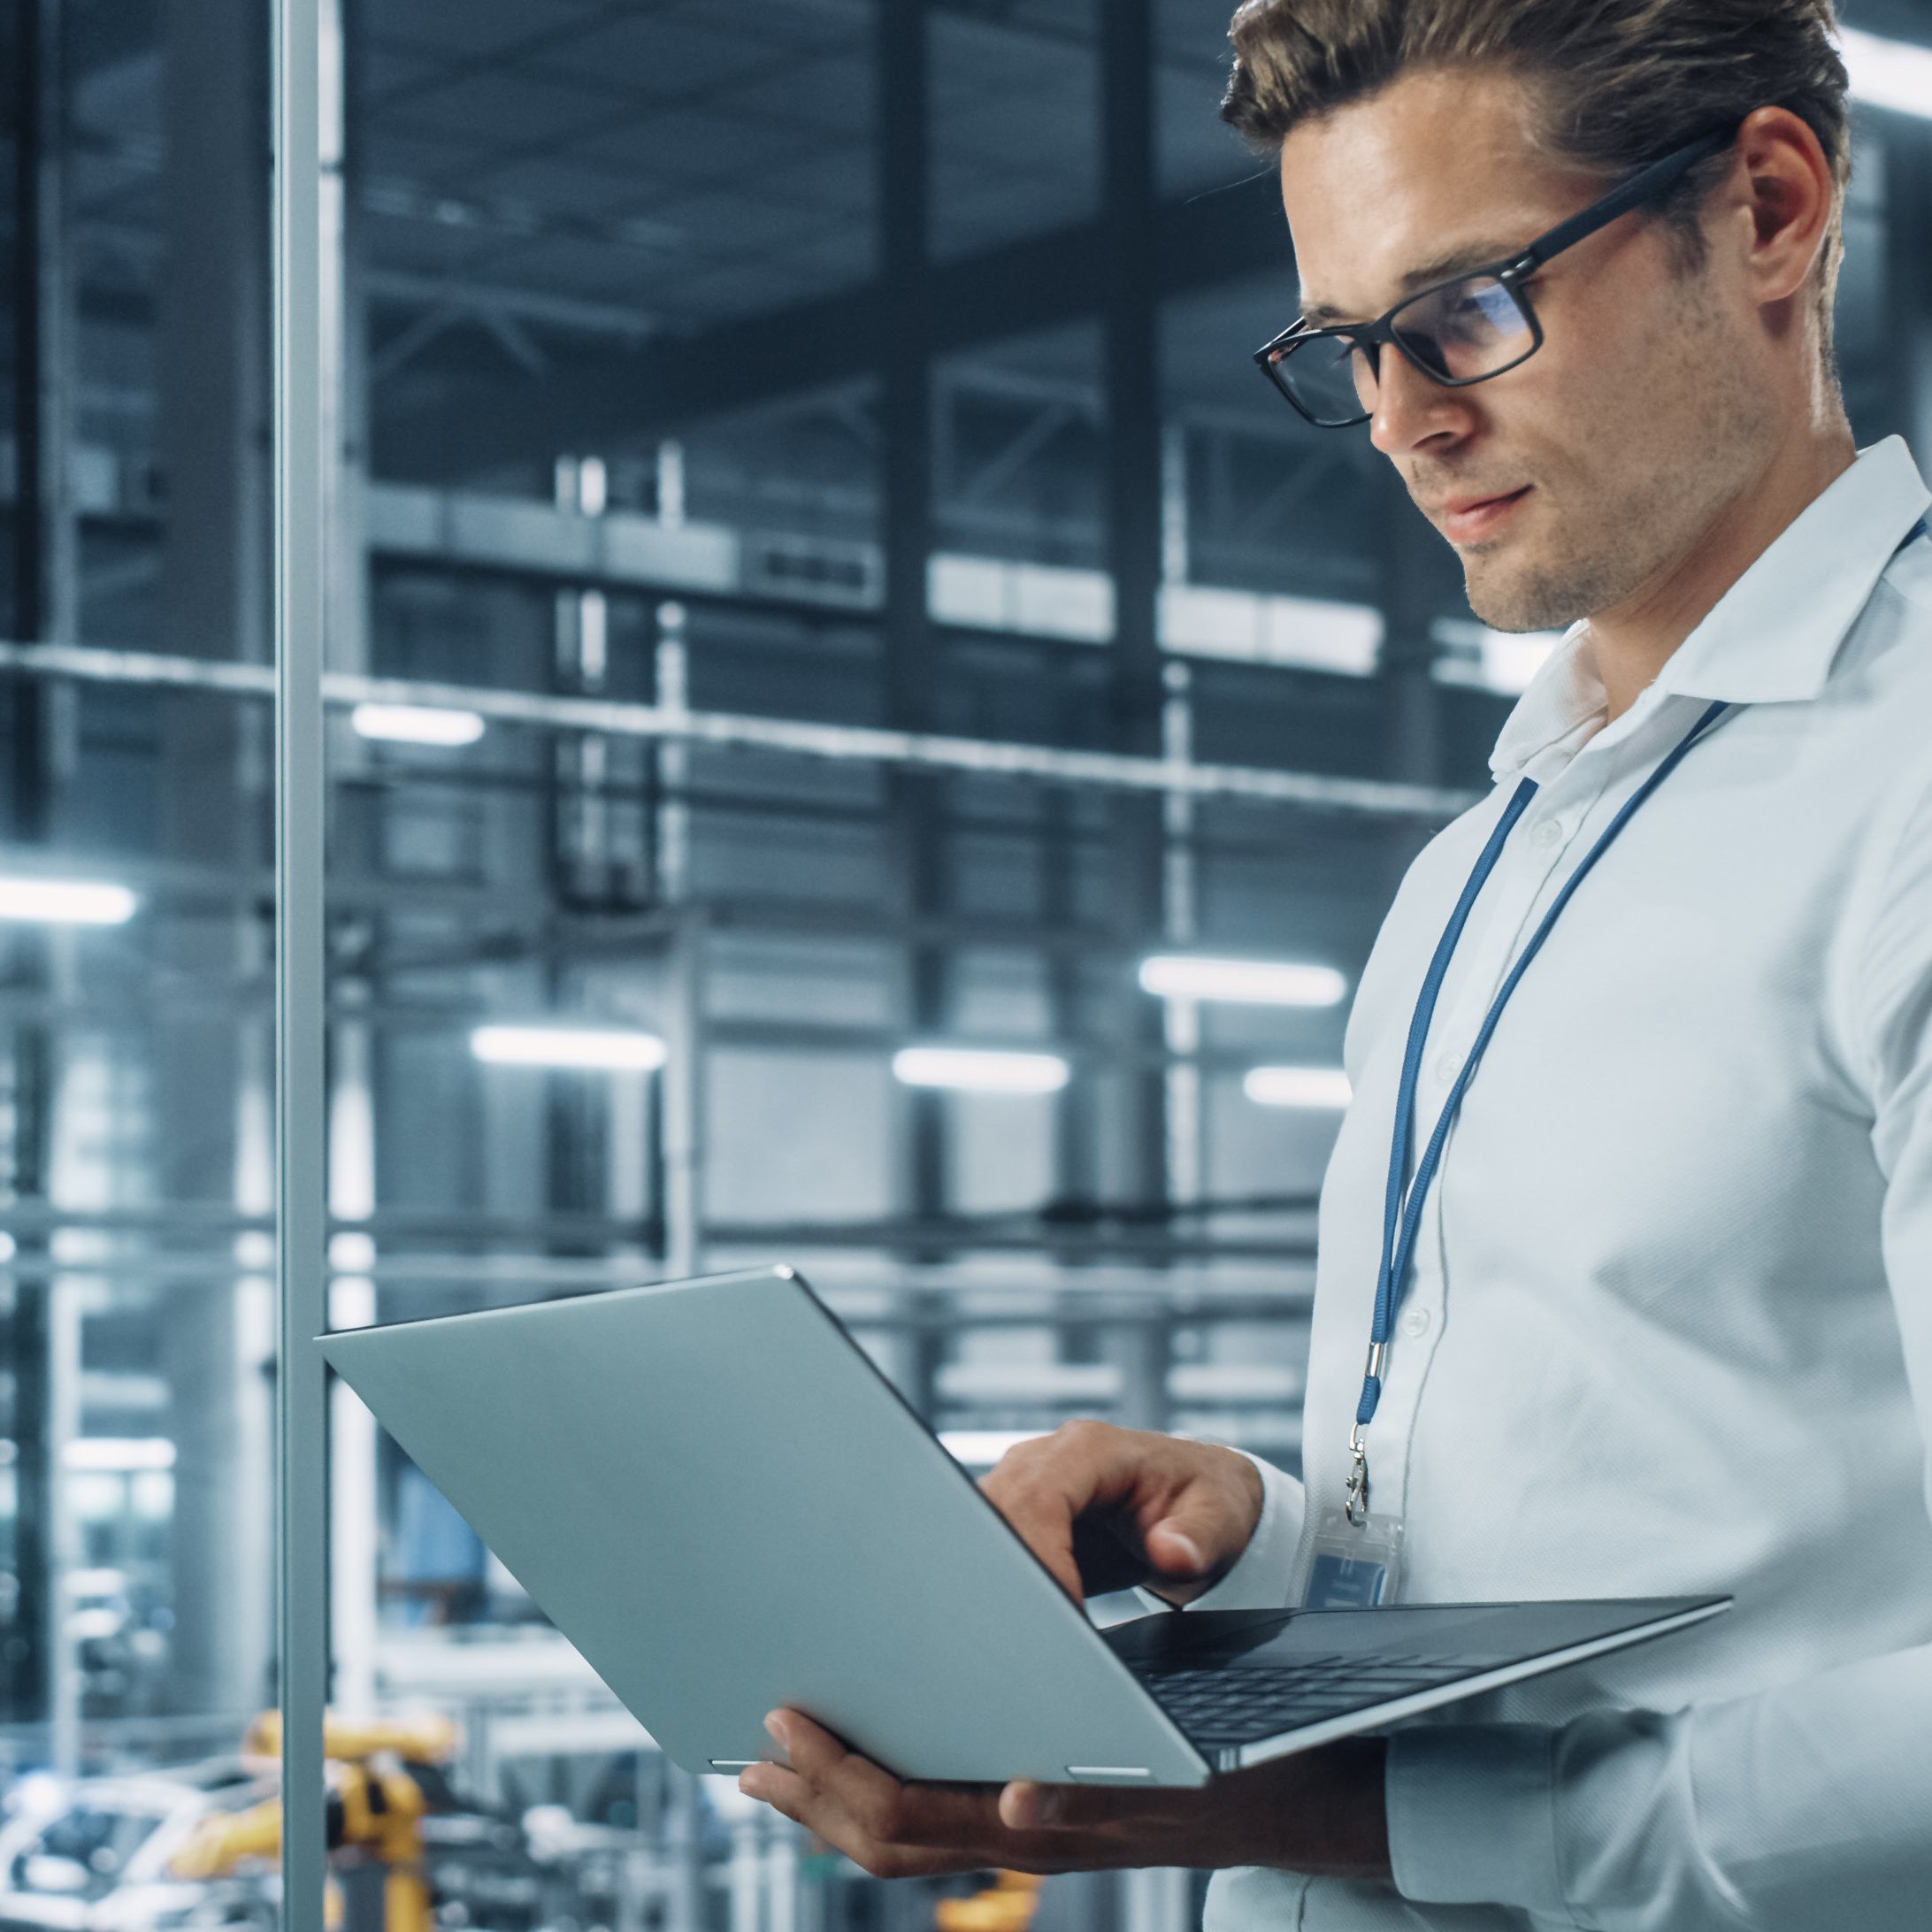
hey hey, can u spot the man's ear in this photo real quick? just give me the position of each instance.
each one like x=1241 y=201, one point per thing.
x=1784 y=184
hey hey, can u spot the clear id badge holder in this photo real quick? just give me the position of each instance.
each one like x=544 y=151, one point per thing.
x=1356 y=1567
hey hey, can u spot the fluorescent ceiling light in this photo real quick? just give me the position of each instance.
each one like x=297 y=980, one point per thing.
x=1890 y=73
x=65 y=901
x=1253 y=982
x=351 y=1252
x=118 y=1452
x=972 y=1070
x=1298 y=1086
x=416 y=723
x=981 y=1448
x=603 y=1049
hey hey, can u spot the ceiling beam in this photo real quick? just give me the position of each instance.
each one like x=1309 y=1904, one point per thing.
x=610 y=397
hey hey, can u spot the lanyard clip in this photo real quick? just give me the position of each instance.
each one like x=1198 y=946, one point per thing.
x=1357 y=1492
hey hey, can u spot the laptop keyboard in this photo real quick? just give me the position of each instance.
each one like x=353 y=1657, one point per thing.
x=1239 y=1703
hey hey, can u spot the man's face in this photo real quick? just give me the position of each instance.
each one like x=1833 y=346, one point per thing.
x=1573 y=484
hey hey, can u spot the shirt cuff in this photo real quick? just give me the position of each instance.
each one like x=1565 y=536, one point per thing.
x=1263 y=1571
x=1472 y=1816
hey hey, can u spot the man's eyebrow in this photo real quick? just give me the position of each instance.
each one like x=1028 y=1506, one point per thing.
x=1460 y=260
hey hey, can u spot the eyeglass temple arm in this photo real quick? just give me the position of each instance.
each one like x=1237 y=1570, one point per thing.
x=1643 y=186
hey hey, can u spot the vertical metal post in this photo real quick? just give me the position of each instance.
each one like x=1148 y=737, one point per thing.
x=1907 y=156
x=300 y=1093
x=213 y=774
x=1155 y=1900
x=682 y=1098
x=1135 y=532
x=1181 y=1018
x=902 y=154
x=352 y=1304
x=671 y=853
x=345 y=392
x=63 y=1424
x=1417 y=578
x=39 y=458
x=903 y=190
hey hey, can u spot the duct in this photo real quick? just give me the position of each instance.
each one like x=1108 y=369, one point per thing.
x=864 y=744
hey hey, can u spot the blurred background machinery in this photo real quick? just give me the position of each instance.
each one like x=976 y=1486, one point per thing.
x=860 y=733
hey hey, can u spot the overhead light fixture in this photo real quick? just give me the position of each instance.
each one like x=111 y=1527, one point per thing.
x=122 y=1454
x=977 y=1069
x=1246 y=982
x=981 y=1448
x=1298 y=1086
x=65 y=901
x=416 y=723
x=598 y=1049
x=1890 y=73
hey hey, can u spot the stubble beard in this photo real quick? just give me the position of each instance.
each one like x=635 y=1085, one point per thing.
x=1550 y=594
x=1607 y=543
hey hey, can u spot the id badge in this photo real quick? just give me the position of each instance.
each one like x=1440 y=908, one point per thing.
x=1354 y=1569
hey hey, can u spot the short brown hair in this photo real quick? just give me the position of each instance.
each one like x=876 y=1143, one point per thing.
x=1623 y=81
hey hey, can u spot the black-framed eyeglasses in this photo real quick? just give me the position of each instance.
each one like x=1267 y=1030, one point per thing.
x=1457 y=332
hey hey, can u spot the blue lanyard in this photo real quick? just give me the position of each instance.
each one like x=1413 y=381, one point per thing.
x=1402 y=1212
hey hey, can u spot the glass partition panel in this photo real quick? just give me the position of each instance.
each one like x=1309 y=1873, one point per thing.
x=137 y=1298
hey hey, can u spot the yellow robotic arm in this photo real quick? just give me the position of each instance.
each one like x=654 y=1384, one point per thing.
x=376 y=1808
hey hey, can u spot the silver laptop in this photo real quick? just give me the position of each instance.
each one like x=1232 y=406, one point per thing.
x=714 y=1495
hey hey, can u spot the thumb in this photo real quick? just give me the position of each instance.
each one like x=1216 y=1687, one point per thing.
x=1174 y=1551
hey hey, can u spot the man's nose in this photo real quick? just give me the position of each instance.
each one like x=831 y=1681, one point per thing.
x=1412 y=412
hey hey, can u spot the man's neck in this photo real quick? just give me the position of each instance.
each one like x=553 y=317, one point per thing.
x=1633 y=642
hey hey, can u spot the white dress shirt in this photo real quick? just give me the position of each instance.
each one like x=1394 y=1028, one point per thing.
x=1670 y=1326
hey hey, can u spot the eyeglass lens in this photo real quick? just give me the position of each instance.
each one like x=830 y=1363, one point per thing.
x=1458 y=332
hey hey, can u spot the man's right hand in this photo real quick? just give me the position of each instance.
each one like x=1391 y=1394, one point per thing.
x=1105 y=1508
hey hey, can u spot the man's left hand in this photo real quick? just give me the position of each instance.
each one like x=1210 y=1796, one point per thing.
x=1320 y=1811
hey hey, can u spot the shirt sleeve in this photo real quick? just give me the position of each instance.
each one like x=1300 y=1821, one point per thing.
x=1263 y=1574
x=1801 y=1807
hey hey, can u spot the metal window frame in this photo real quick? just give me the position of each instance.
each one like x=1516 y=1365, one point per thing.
x=301 y=1473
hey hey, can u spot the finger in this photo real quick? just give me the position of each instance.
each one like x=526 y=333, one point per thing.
x=784 y=1790
x=893 y=1829
x=1174 y=1552
x=1044 y=1520
x=1048 y=1533
x=823 y=1761
x=1194 y=1534
x=842 y=1784
x=1045 y=1487
x=790 y=1795
x=1103 y=1506
x=1026 y=1806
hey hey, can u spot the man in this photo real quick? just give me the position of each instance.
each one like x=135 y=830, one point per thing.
x=1664 y=1322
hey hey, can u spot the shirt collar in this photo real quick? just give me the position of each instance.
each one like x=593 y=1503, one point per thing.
x=1773 y=634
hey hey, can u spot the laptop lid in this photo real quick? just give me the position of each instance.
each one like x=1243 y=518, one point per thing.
x=713 y=1494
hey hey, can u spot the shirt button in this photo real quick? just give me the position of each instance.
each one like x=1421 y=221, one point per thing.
x=1416 y=1323
x=1449 y=1065
x=1546 y=834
